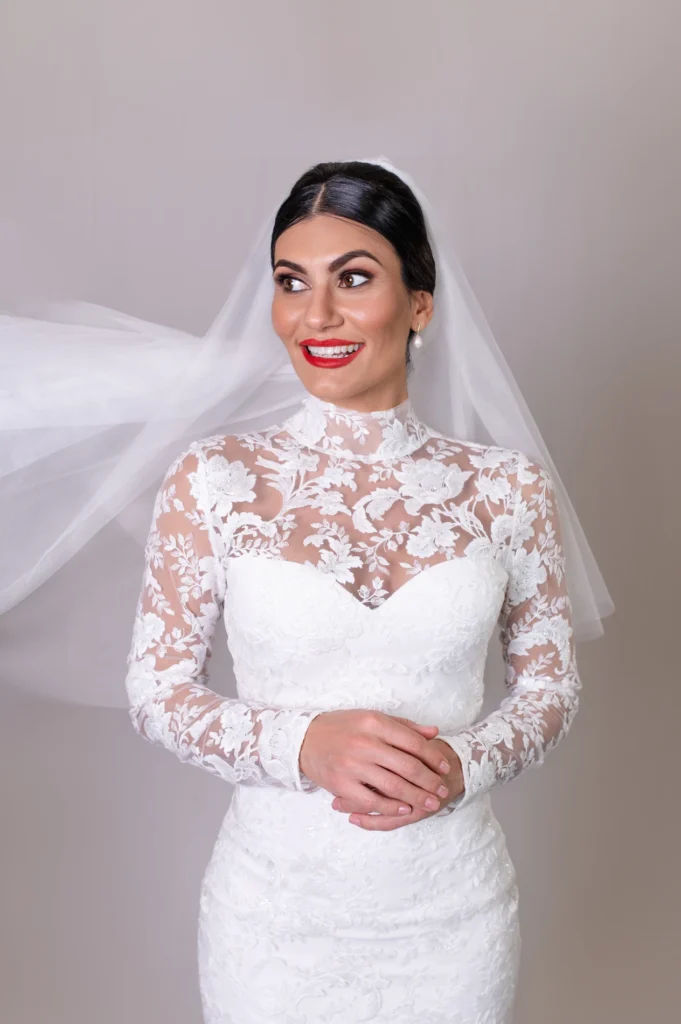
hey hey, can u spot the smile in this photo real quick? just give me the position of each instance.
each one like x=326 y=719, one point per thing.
x=330 y=354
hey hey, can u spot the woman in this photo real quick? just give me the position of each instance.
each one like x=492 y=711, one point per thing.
x=361 y=559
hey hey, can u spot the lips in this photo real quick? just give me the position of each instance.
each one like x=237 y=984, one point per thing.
x=332 y=353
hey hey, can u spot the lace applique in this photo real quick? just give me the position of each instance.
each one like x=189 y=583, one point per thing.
x=175 y=620
x=372 y=500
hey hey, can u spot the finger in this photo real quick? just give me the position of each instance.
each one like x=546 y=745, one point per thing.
x=425 y=730
x=362 y=798
x=394 y=783
x=401 y=776
x=382 y=822
x=430 y=731
x=390 y=808
x=406 y=739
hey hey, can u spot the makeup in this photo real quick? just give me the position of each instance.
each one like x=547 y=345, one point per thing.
x=332 y=353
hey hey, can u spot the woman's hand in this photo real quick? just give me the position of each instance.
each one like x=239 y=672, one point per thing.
x=375 y=762
x=386 y=822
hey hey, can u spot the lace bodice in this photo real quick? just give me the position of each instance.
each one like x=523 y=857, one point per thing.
x=369 y=500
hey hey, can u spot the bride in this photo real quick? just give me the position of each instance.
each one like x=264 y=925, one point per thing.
x=360 y=549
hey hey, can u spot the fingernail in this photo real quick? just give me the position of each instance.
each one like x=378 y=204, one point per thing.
x=443 y=791
x=444 y=766
x=432 y=803
x=353 y=820
x=402 y=809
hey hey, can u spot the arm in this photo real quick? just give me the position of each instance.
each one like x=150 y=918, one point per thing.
x=181 y=600
x=538 y=647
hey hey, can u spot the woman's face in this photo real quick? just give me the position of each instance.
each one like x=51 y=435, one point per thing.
x=325 y=290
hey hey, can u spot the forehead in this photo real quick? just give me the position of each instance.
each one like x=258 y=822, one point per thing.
x=323 y=237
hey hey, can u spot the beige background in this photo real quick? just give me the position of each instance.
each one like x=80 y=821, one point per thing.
x=143 y=141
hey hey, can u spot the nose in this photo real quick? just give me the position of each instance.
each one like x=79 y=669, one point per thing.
x=321 y=309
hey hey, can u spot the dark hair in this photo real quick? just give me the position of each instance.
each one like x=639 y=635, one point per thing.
x=371 y=195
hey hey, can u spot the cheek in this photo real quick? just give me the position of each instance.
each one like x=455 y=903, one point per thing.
x=380 y=315
x=283 y=319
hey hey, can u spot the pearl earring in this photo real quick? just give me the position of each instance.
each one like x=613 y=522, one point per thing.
x=417 y=340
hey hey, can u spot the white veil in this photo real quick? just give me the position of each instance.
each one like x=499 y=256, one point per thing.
x=95 y=404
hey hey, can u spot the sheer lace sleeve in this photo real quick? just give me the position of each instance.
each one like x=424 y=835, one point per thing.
x=181 y=600
x=541 y=675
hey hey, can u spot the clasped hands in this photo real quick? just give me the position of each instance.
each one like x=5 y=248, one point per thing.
x=375 y=762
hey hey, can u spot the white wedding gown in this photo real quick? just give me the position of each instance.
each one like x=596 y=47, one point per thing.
x=360 y=560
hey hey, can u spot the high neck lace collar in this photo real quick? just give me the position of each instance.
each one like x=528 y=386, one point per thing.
x=346 y=433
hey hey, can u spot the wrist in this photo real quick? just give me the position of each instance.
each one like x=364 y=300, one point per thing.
x=303 y=781
x=454 y=778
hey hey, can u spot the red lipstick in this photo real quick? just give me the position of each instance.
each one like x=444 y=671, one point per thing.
x=330 y=362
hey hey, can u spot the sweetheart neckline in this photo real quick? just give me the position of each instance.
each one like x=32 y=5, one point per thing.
x=356 y=601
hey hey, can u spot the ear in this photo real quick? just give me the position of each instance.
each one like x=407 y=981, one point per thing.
x=421 y=309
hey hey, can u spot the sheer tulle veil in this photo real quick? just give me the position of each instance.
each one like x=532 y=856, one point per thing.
x=95 y=404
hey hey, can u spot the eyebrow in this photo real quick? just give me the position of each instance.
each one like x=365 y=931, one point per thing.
x=333 y=265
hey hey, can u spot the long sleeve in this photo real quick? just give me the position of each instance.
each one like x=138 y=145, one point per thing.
x=181 y=600
x=537 y=641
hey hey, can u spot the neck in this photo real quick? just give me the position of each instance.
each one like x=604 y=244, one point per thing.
x=368 y=435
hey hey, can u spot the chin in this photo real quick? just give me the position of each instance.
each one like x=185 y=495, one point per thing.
x=328 y=384
x=332 y=391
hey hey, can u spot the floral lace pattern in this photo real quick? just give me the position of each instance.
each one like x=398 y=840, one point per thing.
x=358 y=560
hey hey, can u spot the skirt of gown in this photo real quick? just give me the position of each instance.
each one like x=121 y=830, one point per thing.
x=306 y=918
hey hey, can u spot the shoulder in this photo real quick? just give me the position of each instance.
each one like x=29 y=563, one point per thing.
x=525 y=467
x=520 y=475
x=215 y=451
x=220 y=470
x=531 y=473
x=479 y=454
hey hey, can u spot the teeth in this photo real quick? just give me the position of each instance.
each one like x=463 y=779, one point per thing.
x=332 y=352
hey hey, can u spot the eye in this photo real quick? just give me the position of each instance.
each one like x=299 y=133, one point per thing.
x=356 y=273
x=283 y=279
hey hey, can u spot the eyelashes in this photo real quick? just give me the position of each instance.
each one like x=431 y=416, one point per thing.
x=280 y=279
x=358 y=273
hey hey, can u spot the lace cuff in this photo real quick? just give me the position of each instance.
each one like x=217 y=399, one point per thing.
x=474 y=778
x=281 y=737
